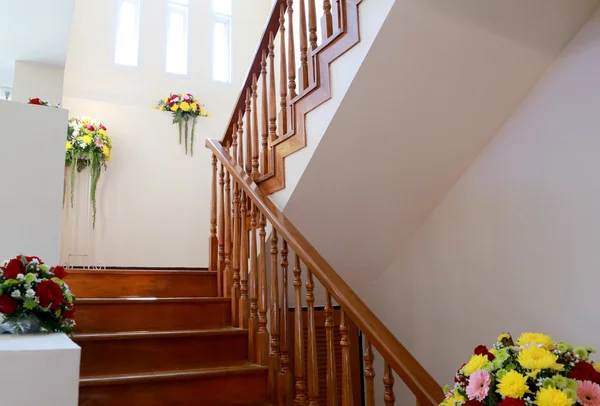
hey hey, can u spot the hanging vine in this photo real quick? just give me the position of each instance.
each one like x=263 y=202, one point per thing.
x=87 y=146
x=184 y=108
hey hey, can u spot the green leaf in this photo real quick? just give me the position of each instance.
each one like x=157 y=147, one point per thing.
x=57 y=313
x=69 y=297
x=57 y=281
x=30 y=277
x=44 y=268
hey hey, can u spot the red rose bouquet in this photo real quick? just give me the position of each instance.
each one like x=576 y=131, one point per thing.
x=34 y=298
x=534 y=371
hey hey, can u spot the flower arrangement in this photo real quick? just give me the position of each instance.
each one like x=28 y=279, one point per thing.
x=34 y=297
x=38 y=102
x=534 y=371
x=184 y=107
x=87 y=146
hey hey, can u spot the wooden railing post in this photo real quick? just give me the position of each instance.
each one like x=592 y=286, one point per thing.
x=291 y=51
x=283 y=126
x=369 y=374
x=274 y=314
x=263 y=335
x=255 y=162
x=327 y=20
x=285 y=376
x=312 y=25
x=253 y=322
x=244 y=301
x=303 y=70
x=221 y=232
x=332 y=398
x=264 y=115
x=347 y=393
x=227 y=273
x=213 y=241
x=300 y=382
x=240 y=126
x=388 y=384
x=313 y=367
x=272 y=91
x=235 y=290
x=249 y=135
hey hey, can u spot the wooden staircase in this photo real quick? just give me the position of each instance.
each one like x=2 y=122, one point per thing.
x=158 y=338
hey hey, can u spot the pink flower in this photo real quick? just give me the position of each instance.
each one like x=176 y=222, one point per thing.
x=99 y=143
x=479 y=385
x=588 y=393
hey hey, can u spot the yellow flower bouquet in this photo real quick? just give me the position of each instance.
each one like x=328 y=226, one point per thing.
x=88 y=145
x=536 y=371
x=184 y=107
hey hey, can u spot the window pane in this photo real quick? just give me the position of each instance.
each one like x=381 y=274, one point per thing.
x=177 y=40
x=222 y=7
x=182 y=2
x=221 y=51
x=127 y=43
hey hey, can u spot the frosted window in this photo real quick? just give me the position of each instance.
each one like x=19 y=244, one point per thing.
x=177 y=38
x=128 y=33
x=221 y=51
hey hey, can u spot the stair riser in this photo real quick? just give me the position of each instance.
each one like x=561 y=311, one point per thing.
x=92 y=284
x=214 y=391
x=151 y=316
x=159 y=354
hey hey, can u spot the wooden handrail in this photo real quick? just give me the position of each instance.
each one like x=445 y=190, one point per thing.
x=255 y=68
x=418 y=380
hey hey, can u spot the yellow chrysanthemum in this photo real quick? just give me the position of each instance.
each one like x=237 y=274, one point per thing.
x=109 y=157
x=166 y=99
x=105 y=150
x=175 y=107
x=86 y=139
x=455 y=400
x=537 y=358
x=503 y=337
x=553 y=397
x=513 y=385
x=69 y=145
x=195 y=106
x=185 y=106
x=597 y=366
x=162 y=108
x=102 y=132
x=475 y=364
x=536 y=338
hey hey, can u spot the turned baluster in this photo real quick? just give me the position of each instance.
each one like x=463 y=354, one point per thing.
x=240 y=126
x=234 y=144
x=264 y=115
x=303 y=71
x=213 y=241
x=272 y=91
x=347 y=398
x=388 y=385
x=291 y=51
x=253 y=322
x=244 y=301
x=313 y=367
x=300 y=385
x=312 y=24
x=235 y=289
x=327 y=20
x=332 y=398
x=249 y=135
x=255 y=162
x=283 y=125
x=227 y=276
x=274 y=321
x=221 y=231
x=284 y=382
x=263 y=335
x=369 y=373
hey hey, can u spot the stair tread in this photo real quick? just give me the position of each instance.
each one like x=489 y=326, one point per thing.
x=206 y=370
x=131 y=335
x=132 y=272
x=151 y=300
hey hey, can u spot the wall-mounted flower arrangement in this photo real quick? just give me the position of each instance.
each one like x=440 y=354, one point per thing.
x=87 y=146
x=39 y=102
x=184 y=107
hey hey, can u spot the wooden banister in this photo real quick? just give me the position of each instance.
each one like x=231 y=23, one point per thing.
x=416 y=378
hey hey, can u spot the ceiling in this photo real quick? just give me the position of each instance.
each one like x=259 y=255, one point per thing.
x=440 y=80
x=33 y=31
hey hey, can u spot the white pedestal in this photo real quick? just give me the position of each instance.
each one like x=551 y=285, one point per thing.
x=40 y=369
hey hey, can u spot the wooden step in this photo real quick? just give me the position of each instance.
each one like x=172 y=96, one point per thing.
x=142 y=283
x=234 y=383
x=138 y=352
x=103 y=315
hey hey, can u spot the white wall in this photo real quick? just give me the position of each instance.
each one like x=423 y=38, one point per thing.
x=514 y=245
x=38 y=80
x=31 y=180
x=153 y=202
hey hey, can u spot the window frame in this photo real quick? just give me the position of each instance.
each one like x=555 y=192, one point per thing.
x=227 y=19
x=119 y=3
x=171 y=5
